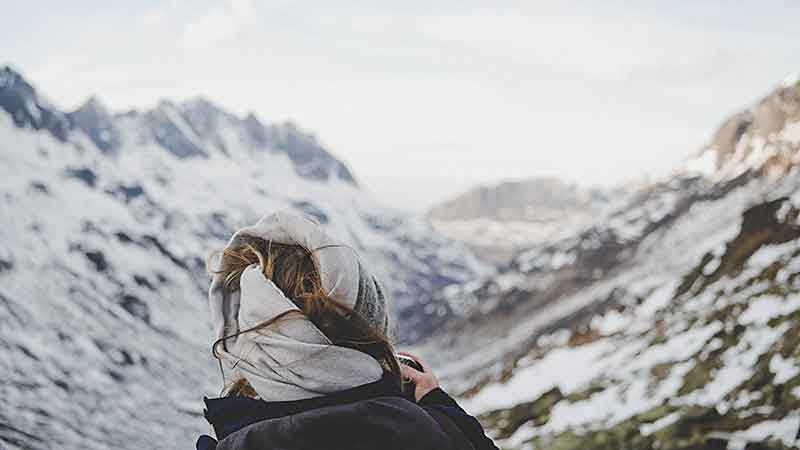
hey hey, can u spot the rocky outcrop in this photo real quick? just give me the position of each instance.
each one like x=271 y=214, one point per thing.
x=764 y=138
x=27 y=109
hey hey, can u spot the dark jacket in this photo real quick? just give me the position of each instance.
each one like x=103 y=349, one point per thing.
x=374 y=416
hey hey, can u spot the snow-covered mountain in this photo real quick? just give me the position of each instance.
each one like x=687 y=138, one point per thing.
x=106 y=221
x=669 y=322
x=762 y=138
x=500 y=219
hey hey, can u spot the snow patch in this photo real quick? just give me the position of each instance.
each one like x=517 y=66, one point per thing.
x=784 y=369
x=704 y=164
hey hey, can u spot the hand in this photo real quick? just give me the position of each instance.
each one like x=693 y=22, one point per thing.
x=424 y=382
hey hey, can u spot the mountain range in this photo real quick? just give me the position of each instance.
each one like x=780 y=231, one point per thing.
x=667 y=317
x=107 y=220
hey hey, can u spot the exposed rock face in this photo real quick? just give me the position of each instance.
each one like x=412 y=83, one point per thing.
x=670 y=321
x=763 y=138
x=19 y=99
x=97 y=122
x=106 y=223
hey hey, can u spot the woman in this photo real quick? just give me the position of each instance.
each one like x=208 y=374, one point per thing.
x=302 y=343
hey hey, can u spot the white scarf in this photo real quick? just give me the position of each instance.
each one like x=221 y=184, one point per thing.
x=292 y=359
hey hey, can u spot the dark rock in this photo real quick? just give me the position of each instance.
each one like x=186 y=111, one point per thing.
x=136 y=307
x=143 y=282
x=98 y=259
x=760 y=226
x=728 y=135
x=84 y=174
x=311 y=160
x=38 y=186
x=164 y=251
x=115 y=375
x=27 y=352
x=20 y=100
x=18 y=438
x=88 y=227
x=124 y=237
x=128 y=193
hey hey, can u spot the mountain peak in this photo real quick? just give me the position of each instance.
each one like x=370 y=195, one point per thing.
x=309 y=157
x=94 y=118
x=26 y=108
x=12 y=80
x=205 y=116
x=202 y=103
x=255 y=129
x=94 y=105
x=10 y=77
x=763 y=139
x=190 y=128
x=165 y=104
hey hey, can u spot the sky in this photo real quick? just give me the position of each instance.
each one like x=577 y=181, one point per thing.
x=423 y=102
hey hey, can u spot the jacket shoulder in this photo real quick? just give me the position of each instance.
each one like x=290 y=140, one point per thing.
x=385 y=423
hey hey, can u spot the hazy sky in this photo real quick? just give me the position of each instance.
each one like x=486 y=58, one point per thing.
x=424 y=102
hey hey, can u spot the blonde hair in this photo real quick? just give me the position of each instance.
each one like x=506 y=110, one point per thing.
x=294 y=271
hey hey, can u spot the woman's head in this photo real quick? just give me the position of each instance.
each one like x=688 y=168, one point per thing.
x=294 y=270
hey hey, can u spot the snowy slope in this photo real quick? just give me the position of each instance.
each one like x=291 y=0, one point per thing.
x=106 y=221
x=670 y=322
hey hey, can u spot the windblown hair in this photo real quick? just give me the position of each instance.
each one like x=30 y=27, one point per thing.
x=293 y=270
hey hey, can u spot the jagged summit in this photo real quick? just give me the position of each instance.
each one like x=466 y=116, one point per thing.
x=94 y=118
x=10 y=77
x=27 y=108
x=195 y=128
x=94 y=103
x=306 y=152
x=202 y=104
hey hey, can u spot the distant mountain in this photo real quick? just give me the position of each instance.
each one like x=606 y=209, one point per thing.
x=106 y=222
x=536 y=199
x=670 y=321
x=500 y=219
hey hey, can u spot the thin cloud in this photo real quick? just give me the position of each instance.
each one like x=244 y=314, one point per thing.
x=221 y=22
x=593 y=93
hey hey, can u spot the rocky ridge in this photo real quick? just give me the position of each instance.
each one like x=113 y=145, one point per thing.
x=669 y=322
